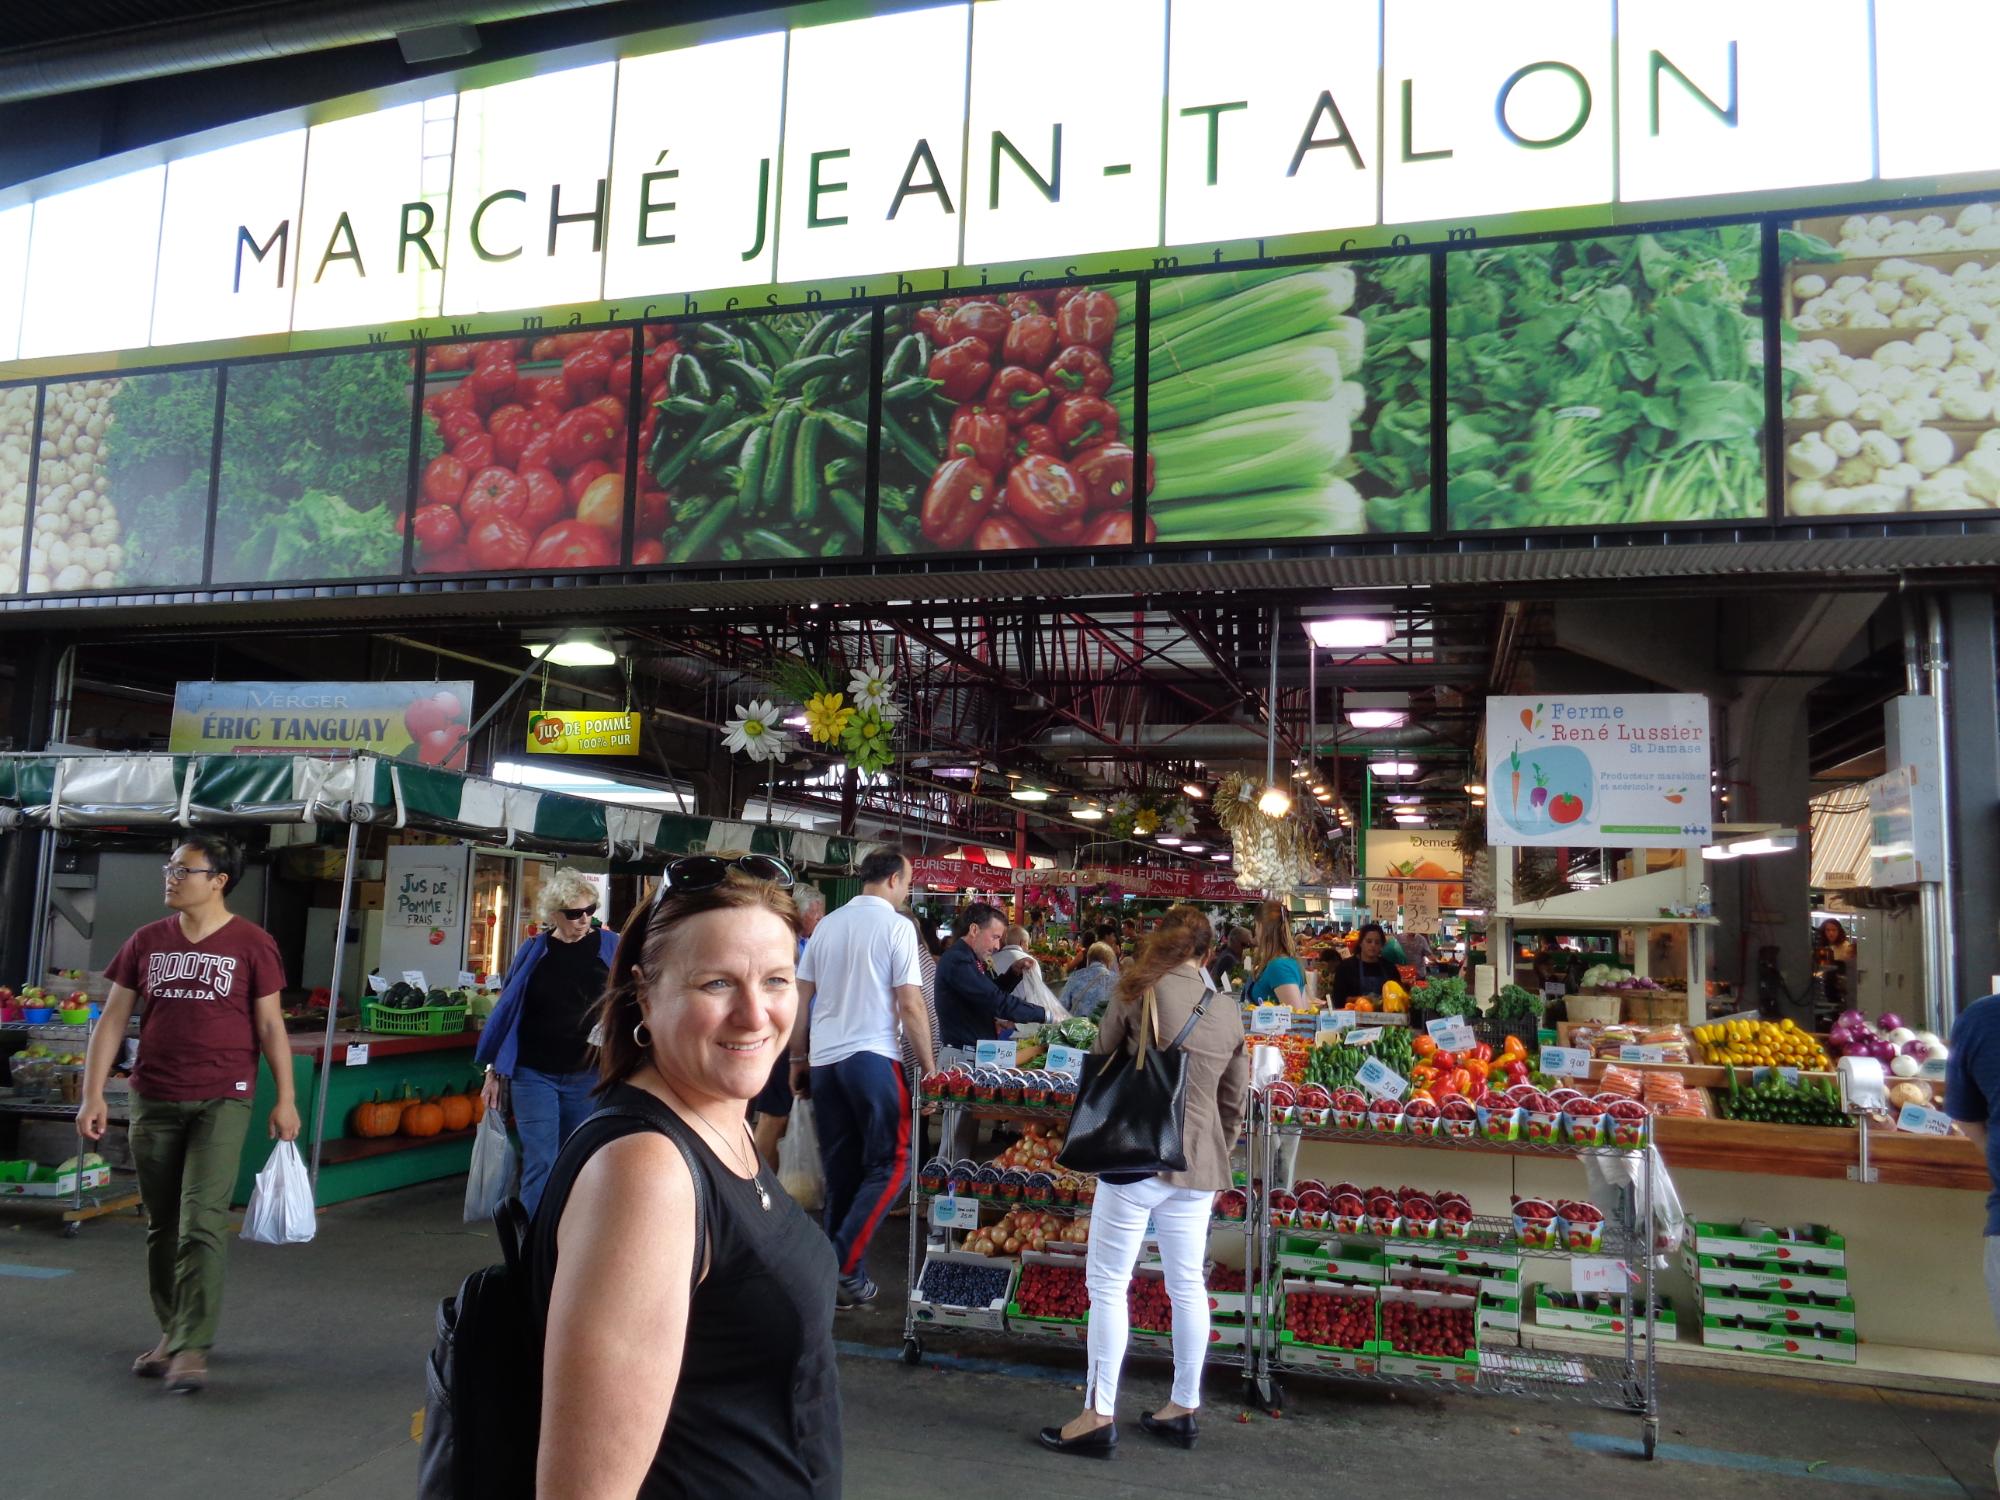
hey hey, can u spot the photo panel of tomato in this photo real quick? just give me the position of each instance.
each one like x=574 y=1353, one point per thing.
x=315 y=468
x=522 y=456
x=1290 y=401
x=755 y=447
x=17 y=449
x=1606 y=380
x=121 y=490
x=1007 y=421
x=1892 y=362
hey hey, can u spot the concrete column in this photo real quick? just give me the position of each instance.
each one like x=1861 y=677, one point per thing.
x=1972 y=793
x=28 y=720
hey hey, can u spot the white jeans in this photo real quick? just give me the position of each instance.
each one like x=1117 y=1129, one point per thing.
x=1117 y=1227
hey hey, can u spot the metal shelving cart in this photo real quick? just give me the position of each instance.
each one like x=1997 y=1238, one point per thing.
x=83 y=1203
x=1626 y=1381
x=1248 y=1357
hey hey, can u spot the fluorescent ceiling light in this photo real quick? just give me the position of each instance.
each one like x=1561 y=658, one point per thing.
x=1194 y=789
x=1389 y=770
x=1410 y=820
x=1469 y=911
x=1029 y=794
x=1349 y=632
x=1220 y=858
x=798 y=721
x=580 y=784
x=1475 y=789
x=1087 y=814
x=1275 y=802
x=1403 y=799
x=577 y=651
x=952 y=773
x=1190 y=848
x=1171 y=840
x=1341 y=892
x=1377 y=718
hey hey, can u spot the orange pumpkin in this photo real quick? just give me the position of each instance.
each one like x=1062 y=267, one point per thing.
x=373 y=1117
x=457 y=1110
x=422 y=1118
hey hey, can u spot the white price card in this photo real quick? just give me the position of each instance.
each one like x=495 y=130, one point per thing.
x=995 y=1054
x=1566 y=1062
x=1932 y=1069
x=416 y=977
x=950 y=1212
x=1066 y=1060
x=378 y=984
x=1590 y=1273
x=1555 y=991
x=1451 y=1033
x=357 y=1054
x=1785 y=1075
x=1363 y=1036
x=1921 y=1121
x=1650 y=1053
x=1270 y=1020
x=1381 y=1080
x=1338 y=1020
x=467 y=979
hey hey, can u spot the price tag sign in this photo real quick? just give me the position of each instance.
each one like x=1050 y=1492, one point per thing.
x=949 y=1212
x=1066 y=1060
x=1590 y=1273
x=995 y=1054
x=1450 y=1033
x=1566 y=1062
x=1338 y=1020
x=1932 y=1069
x=1555 y=991
x=467 y=979
x=1270 y=1020
x=378 y=984
x=1921 y=1121
x=1381 y=1080
x=1651 y=1053
x=1784 y=1075
x=357 y=1054
x=416 y=977
x=1363 y=1036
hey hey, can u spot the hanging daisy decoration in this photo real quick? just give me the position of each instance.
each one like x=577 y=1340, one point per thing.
x=1180 y=821
x=872 y=688
x=867 y=742
x=1123 y=805
x=827 y=717
x=754 y=732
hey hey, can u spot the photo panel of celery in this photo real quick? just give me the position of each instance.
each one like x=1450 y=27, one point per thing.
x=1290 y=402
x=1891 y=328
x=1607 y=381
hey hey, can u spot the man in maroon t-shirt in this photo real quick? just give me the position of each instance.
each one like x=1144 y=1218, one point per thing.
x=209 y=984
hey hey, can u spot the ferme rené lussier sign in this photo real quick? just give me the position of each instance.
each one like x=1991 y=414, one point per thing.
x=973 y=135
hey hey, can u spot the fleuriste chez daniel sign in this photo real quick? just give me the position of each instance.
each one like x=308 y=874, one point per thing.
x=945 y=143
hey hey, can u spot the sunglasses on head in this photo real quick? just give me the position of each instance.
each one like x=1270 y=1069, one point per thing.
x=577 y=913
x=704 y=872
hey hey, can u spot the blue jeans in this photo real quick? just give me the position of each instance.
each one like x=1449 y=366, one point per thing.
x=861 y=1107
x=547 y=1107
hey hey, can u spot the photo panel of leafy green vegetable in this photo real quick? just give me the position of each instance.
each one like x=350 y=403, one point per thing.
x=315 y=468
x=1007 y=420
x=17 y=449
x=1290 y=401
x=121 y=492
x=1891 y=338
x=756 y=438
x=1605 y=381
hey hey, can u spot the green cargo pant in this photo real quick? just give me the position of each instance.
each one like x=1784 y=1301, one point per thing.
x=187 y=1153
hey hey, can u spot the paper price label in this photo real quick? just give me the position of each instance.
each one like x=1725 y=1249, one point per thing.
x=995 y=1054
x=1363 y=1036
x=1933 y=1069
x=1451 y=1033
x=1589 y=1273
x=1785 y=1075
x=1381 y=1080
x=1651 y=1053
x=1555 y=991
x=949 y=1212
x=1066 y=1060
x=416 y=977
x=467 y=979
x=1566 y=1062
x=378 y=984
x=357 y=1054
x=1921 y=1121
x=1270 y=1020
x=1338 y=1020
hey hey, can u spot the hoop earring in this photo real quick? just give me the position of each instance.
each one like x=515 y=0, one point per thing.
x=645 y=1042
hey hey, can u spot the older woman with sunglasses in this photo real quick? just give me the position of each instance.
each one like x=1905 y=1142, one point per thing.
x=689 y=1342
x=536 y=1045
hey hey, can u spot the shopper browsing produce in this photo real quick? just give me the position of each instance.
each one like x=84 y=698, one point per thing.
x=688 y=1348
x=970 y=1000
x=1280 y=976
x=1160 y=991
x=536 y=1045
x=1089 y=988
x=207 y=982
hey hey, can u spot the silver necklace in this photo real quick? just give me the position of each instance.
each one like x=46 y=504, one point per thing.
x=756 y=1168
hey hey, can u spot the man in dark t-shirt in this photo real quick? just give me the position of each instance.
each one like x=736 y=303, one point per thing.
x=207 y=983
x=1972 y=1098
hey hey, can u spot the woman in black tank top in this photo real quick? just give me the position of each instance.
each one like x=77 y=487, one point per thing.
x=689 y=1345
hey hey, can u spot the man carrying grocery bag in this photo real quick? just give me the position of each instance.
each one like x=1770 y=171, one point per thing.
x=209 y=983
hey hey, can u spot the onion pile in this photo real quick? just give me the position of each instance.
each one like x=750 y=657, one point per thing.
x=1903 y=1051
x=76 y=543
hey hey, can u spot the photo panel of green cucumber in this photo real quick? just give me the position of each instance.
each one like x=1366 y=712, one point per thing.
x=121 y=491
x=1290 y=401
x=315 y=468
x=1007 y=420
x=1891 y=337
x=17 y=451
x=757 y=438
x=1605 y=381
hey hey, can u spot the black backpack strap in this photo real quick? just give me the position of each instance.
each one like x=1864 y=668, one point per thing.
x=656 y=1115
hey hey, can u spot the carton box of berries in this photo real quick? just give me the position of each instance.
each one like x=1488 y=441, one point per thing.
x=1228 y=1293
x=1499 y=1116
x=1627 y=1123
x=970 y=1291
x=1051 y=1298
x=1432 y=1335
x=1330 y=1328
x=1535 y=1226
x=1282 y=1099
x=1385 y=1117
x=1581 y=1226
x=1583 y=1121
x=1541 y=1118
x=1350 y=1109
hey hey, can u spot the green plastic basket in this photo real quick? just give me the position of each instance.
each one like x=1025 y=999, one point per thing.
x=427 y=1020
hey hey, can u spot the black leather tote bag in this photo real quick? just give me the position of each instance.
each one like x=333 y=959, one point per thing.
x=1130 y=1109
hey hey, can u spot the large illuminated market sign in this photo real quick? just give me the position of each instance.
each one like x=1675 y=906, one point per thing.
x=951 y=143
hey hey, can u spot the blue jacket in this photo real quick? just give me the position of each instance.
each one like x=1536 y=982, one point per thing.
x=969 y=1000
x=499 y=1042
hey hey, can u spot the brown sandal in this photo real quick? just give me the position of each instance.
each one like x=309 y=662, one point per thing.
x=186 y=1380
x=151 y=1365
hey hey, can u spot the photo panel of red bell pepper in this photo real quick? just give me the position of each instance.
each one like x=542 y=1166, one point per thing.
x=1007 y=421
x=522 y=465
x=754 y=443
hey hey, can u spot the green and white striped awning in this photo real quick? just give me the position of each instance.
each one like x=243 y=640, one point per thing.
x=82 y=792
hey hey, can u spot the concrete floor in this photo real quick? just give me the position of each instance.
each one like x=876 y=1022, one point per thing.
x=318 y=1374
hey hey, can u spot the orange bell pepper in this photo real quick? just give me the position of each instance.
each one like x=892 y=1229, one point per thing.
x=1514 y=1044
x=1462 y=1081
x=1477 y=1067
x=1360 y=1003
x=1426 y=1046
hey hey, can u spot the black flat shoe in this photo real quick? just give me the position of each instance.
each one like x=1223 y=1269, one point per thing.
x=1099 y=1442
x=1180 y=1430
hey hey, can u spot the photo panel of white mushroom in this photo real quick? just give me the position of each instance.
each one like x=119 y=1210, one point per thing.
x=1891 y=334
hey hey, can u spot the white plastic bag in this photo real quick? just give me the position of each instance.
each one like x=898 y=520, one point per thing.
x=281 y=1205
x=490 y=1181
x=1032 y=988
x=799 y=1171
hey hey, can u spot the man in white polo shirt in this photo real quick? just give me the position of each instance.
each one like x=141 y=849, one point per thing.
x=861 y=986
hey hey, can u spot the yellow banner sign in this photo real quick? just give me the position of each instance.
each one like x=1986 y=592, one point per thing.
x=582 y=733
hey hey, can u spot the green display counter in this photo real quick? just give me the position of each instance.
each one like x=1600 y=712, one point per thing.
x=352 y=1166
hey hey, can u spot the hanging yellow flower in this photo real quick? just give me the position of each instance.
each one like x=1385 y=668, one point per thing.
x=827 y=717
x=1146 y=822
